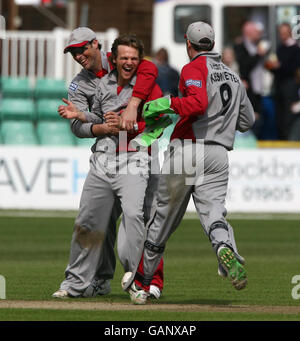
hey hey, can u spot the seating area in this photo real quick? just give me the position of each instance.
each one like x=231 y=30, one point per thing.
x=28 y=114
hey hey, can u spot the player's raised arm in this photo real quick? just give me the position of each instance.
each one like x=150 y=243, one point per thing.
x=146 y=75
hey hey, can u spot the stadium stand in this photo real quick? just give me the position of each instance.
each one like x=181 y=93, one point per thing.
x=16 y=87
x=17 y=109
x=28 y=113
x=46 y=109
x=38 y=105
x=50 y=88
x=18 y=133
x=88 y=142
x=55 y=133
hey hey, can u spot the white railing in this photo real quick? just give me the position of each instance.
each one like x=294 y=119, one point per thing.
x=37 y=54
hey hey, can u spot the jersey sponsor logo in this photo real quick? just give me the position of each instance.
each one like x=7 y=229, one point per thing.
x=73 y=86
x=194 y=82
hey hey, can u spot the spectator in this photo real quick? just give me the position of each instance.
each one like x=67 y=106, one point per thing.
x=168 y=77
x=284 y=68
x=228 y=58
x=250 y=54
x=294 y=132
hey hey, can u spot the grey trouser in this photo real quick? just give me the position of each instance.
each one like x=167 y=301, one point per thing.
x=205 y=177
x=107 y=193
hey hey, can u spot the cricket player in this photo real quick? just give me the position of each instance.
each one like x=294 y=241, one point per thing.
x=213 y=106
x=86 y=50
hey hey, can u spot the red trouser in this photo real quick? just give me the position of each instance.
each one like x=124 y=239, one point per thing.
x=158 y=277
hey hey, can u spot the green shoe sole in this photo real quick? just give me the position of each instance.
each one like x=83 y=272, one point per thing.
x=235 y=270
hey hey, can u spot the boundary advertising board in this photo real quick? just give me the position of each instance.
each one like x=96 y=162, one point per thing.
x=261 y=180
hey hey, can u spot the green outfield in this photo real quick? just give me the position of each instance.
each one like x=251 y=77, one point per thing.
x=34 y=253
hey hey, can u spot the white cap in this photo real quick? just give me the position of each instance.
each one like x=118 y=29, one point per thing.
x=200 y=30
x=79 y=37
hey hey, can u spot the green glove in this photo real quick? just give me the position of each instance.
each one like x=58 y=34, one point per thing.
x=151 y=132
x=156 y=107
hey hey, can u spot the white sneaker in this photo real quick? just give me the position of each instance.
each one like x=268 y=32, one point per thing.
x=125 y=280
x=60 y=294
x=154 y=292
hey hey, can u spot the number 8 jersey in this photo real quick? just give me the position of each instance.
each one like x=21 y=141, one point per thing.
x=214 y=103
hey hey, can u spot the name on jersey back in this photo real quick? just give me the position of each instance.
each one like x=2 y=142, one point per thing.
x=221 y=73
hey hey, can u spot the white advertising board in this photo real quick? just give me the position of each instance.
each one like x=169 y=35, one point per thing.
x=266 y=180
x=42 y=178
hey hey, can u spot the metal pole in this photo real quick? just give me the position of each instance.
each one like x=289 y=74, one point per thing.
x=84 y=15
x=71 y=14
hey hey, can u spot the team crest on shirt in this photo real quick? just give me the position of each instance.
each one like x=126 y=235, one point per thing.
x=73 y=86
x=194 y=82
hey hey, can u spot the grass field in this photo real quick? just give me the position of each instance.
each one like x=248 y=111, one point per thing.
x=34 y=252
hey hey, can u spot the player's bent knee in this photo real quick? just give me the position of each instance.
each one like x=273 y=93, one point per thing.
x=87 y=238
x=133 y=215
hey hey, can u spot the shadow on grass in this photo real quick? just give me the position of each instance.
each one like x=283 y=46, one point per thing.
x=196 y=302
x=119 y=298
x=123 y=299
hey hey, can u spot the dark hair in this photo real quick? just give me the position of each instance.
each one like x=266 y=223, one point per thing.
x=286 y=24
x=99 y=45
x=127 y=40
x=204 y=45
x=162 y=54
